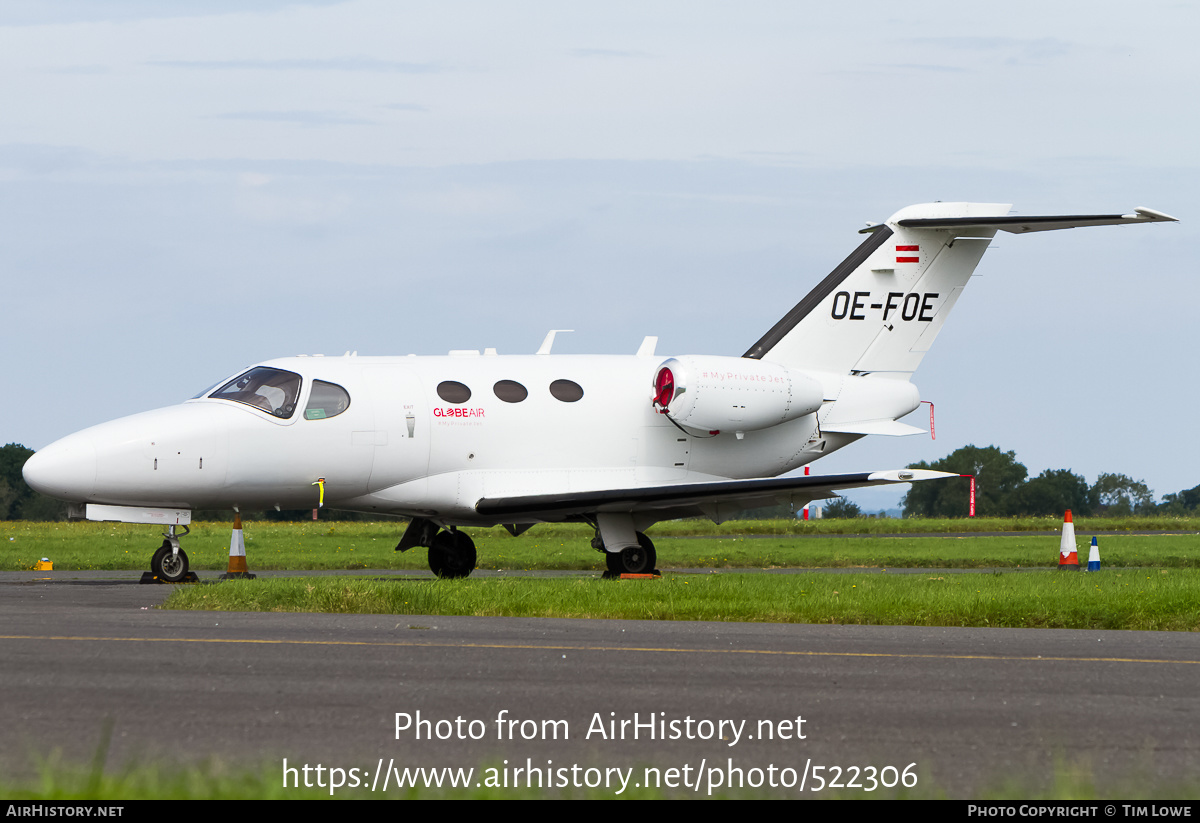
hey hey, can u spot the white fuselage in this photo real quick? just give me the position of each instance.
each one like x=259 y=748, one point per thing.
x=398 y=447
x=621 y=440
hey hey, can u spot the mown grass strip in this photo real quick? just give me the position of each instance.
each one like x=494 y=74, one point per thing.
x=350 y=545
x=1132 y=599
x=57 y=780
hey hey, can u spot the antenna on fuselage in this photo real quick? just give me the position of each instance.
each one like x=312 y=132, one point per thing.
x=548 y=343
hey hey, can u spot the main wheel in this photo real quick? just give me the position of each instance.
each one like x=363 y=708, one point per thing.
x=436 y=560
x=639 y=559
x=452 y=554
x=169 y=565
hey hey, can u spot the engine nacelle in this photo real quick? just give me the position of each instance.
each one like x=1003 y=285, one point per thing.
x=732 y=393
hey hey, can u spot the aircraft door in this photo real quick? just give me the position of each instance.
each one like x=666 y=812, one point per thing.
x=401 y=425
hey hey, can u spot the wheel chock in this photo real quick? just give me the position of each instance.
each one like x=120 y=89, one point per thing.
x=150 y=577
x=652 y=575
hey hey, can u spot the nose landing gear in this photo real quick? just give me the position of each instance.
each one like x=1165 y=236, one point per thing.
x=170 y=563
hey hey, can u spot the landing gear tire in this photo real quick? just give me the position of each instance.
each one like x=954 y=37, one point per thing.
x=639 y=559
x=168 y=565
x=452 y=554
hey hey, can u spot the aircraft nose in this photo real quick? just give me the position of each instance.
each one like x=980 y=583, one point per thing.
x=65 y=469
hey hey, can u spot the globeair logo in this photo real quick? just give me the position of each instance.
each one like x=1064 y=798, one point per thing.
x=455 y=411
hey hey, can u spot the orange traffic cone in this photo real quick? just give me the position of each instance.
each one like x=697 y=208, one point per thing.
x=1067 y=556
x=237 y=553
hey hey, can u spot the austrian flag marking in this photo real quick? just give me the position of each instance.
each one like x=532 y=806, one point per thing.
x=905 y=258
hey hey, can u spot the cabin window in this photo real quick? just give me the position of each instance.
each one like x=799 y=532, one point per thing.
x=453 y=392
x=567 y=391
x=326 y=400
x=510 y=391
x=272 y=390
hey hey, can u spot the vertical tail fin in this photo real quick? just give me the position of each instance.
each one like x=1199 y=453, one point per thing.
x=880 y=310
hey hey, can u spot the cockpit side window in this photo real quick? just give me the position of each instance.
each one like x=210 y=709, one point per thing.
x=272 y=390
x=326 y=400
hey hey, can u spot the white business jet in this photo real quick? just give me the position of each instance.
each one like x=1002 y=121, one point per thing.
x=618 y=442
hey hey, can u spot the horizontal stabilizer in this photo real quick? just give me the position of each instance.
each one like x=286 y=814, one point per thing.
x=751 y=493
x=1020 y=225
x=890 y=428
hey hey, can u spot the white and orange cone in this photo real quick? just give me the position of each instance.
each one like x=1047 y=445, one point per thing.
x=237 y=553
x=1068 y=558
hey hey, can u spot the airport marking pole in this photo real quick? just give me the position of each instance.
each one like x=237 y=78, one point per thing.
x=970 y=496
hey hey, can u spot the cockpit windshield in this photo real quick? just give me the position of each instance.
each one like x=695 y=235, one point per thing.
x=205 y=392
x=272 y=390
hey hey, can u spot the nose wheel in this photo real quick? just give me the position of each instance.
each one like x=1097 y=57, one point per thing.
x=169 y=564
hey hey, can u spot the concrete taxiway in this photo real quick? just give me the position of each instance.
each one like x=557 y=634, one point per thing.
x=971 y=707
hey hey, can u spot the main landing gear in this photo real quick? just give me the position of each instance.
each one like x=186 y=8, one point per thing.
x=451 y=552
x=639 y=559
x=170 y=563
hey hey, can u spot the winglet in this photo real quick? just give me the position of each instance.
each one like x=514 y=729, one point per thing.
x=1152 y=215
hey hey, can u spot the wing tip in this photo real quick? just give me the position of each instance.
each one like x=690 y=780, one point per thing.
x=908 y=475
x=1151 y=215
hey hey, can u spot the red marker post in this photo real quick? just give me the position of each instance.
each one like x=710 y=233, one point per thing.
x=806 y=504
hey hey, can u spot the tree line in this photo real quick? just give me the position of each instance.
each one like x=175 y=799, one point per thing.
x=1003 y=488
x=17 y=500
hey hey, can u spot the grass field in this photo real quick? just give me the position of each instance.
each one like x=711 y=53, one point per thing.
x=680 y=544
x=1147 y=582
x=219 y=781
x=1119 y=599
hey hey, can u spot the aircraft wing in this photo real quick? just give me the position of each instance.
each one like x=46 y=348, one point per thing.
x=699 y=498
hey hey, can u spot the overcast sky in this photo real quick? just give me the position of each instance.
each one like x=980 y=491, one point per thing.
x=189 y=187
